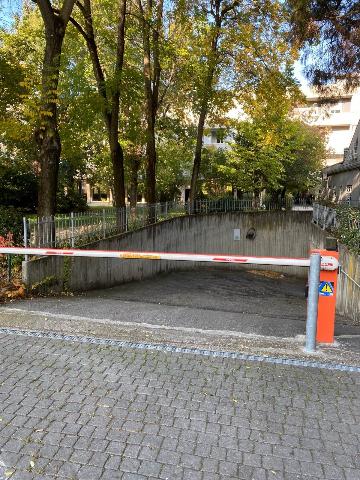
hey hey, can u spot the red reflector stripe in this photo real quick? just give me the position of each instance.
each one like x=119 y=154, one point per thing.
x=227 y=259
x=55 y=252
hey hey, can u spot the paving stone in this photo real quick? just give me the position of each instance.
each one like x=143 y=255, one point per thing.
x=88 y=413
x=228 y=468
x=151 y=469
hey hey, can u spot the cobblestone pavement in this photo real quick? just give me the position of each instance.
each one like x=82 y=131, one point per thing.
x=80 y=411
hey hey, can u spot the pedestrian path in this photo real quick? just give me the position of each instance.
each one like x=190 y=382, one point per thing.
x=76 y=410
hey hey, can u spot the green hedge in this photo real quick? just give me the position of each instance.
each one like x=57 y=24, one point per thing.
x=348 y=227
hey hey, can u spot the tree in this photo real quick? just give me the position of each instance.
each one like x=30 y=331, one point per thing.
x=217 y=178
x=151 y=17
x=175 y=149
x=219 y=12
x=110 y=94
x=47 y=133
x=303 y=159
x=279 y=158
x=329 y=33
x=255 y=159
x=242 y=42
x=79 y=114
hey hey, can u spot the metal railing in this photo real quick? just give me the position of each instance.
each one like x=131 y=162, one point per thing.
x=324 y=216
x=76 y=229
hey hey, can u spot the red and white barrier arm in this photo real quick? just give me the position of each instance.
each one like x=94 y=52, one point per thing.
x=327 y=263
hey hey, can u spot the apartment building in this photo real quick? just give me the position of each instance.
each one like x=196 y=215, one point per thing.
x=336 y=114
x=342 y=180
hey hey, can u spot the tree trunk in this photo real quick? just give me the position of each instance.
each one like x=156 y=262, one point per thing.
x=197 y=156
x=208 y=87
x=117 y=160
x=111 y=106
x=152 y=74
x=135 y=162
x=47 y=134
x=117 y=154
x=151 y=163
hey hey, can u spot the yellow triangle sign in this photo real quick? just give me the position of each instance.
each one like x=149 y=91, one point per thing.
x=326 y=288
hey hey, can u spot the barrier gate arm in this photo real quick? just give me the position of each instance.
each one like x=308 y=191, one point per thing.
x=323 y=266
x=327 y=262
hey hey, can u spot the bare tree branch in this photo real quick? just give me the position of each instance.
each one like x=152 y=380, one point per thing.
x=79 y=28
x=81 y=7
x=228 y=8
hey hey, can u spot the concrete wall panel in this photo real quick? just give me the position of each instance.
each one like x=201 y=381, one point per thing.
x=277 y=234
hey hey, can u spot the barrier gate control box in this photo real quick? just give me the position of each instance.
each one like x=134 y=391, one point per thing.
x=327 y=300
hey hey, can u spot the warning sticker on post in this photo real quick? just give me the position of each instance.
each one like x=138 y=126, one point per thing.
x=326 y=289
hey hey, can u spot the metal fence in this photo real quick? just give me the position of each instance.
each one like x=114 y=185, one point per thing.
x=75 y=229
x=324 y=216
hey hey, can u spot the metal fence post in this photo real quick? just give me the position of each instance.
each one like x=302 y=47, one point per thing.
x=25 y=236
x=9 y=268
x=72 y=230
x=104 y=223
x=312 y=306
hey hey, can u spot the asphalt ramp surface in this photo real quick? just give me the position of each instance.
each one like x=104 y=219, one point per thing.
x=250 y=302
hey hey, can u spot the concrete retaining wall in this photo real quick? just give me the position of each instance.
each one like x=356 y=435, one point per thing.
x=277 y=234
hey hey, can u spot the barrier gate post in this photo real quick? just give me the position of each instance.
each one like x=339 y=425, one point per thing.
x=327 y=300
x=312 y=304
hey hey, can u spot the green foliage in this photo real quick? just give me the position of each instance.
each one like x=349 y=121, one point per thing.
x=251 y=68
x=18 y=187
x=70 y=202
x=285 y=157
x=328 y=32
x=216 y=175
x=175 y=150
x=348 y=229
x=304 y=158
x=11 y=221
x=255 y=159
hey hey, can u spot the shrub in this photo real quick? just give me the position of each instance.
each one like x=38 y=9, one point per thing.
x=71 y=202
x=11 y=221
x=18 y=188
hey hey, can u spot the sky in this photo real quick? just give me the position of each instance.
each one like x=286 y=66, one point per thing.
x=298 y=73
x=8 y=8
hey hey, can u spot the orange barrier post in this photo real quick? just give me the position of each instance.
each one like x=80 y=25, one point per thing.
x=327 y=300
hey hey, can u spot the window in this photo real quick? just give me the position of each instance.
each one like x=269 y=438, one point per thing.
x=348 y=188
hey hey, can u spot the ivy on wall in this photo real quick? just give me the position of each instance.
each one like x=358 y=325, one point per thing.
x=348 y=227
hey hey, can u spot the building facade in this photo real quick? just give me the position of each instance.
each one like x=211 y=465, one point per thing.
x=342 y=180
x=336 y=114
